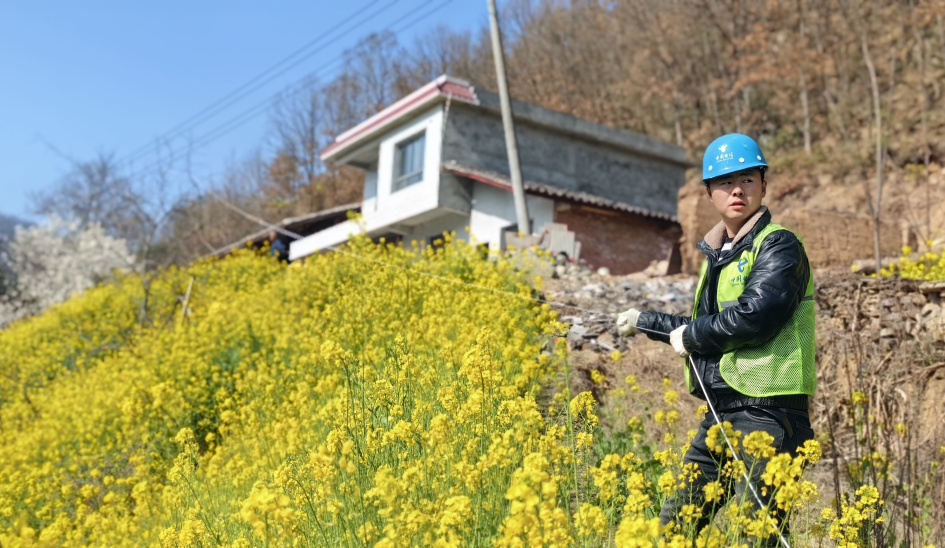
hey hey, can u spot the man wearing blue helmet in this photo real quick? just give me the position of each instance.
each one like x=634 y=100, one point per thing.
x=751 y=332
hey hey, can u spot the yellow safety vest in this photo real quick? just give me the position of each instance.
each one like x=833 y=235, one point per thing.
x=783 y=365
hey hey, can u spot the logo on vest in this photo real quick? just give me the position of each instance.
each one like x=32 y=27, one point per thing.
x=741 y=264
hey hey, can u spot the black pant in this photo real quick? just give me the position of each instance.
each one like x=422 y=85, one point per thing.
x=746 y=420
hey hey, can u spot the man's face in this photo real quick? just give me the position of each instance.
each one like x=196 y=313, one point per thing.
x=737 y=196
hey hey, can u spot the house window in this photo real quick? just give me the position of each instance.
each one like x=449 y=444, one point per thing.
x=408 y=162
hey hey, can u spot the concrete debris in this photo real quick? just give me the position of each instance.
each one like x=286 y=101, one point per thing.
x=932 y=287
x=598 y=297
x=881 y=310
x=554 y=237
x=576 y=333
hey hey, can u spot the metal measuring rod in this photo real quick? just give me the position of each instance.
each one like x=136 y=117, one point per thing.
x=718 y=421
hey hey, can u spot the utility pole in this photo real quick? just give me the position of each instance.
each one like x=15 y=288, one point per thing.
x=518 y=190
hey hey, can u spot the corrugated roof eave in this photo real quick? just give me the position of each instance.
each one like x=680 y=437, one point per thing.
x=501 y=181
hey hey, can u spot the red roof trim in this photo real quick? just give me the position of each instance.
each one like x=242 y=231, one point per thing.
x=442 y=86
x=462 y=91
x=481 y=178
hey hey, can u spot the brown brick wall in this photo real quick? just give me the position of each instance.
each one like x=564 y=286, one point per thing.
x=623 y=242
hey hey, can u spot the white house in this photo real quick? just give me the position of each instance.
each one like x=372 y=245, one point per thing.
x=435 y=161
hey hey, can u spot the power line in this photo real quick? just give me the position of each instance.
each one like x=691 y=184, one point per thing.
x=235 y=95
x=261 y=107
x=228 y=126
x=254 y=83
x=258 y=108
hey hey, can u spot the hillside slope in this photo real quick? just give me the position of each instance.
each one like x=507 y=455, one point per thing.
x=191 y=425
x=880 y=369
x=374 y=396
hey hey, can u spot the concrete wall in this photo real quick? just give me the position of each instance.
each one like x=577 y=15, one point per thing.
x=494 y=210
x=622 y=242
x=385 y=210
x=322 y=240
x=455 y=193
x=474 y=138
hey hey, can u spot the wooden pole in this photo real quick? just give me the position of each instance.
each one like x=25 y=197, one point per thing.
x=515 y=168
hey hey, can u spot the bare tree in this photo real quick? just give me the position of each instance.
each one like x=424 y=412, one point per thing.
x=300 y=131
x=439 y=51
x=98 y=192
x=92 y=192
x=204 y=224
x=368 y=82
x=875 y=207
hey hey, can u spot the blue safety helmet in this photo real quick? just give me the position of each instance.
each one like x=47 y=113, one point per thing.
x=731 y=153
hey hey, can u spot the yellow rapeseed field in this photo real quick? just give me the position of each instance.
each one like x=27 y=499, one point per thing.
x=367 y=398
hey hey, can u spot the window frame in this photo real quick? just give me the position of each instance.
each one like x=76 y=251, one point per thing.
x=402 y=181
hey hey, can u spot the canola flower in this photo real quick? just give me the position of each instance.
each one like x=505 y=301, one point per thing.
x=338 y=403
x=928 y=266
x=308 y=404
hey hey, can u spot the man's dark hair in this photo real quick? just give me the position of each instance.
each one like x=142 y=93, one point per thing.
x=760 y=168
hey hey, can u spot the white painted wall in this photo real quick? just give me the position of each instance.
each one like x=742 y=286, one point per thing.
x=322 y=240
x=340 y=233
x=493 y=210
x=394 y=207
x=449 y=222
x=370 y=185
x=387 y=208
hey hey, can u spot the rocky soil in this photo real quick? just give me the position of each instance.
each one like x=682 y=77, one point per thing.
x=882 y=310
x=884 y=337
x=591 y=300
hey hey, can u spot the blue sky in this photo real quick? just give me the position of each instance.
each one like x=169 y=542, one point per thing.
x=83 y=78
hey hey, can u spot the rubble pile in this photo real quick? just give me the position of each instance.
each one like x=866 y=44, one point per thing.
x=884 y=337
x=881 y=310
x=590 y=301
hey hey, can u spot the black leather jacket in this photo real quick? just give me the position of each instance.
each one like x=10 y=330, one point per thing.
x=775 y=287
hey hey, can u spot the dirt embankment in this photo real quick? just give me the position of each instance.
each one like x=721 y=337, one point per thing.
x=832 y=215
x=884 y=338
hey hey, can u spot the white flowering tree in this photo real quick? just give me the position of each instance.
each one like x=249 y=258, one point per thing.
x=51 y=262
